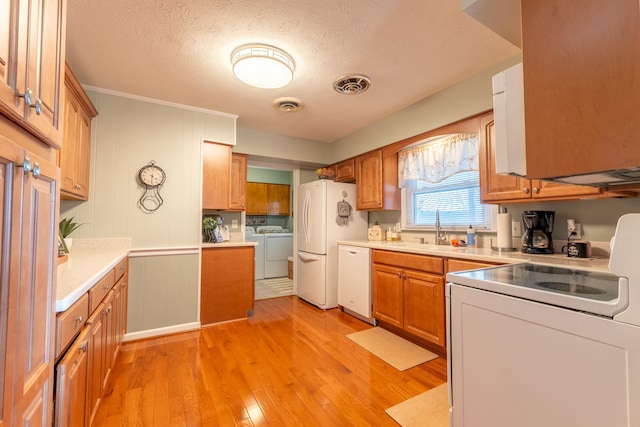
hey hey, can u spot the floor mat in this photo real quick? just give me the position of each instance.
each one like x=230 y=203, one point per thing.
x=396 y=351
x=428 y=409
x=273 y=288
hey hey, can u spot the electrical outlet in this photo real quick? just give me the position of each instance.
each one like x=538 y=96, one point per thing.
x=516 y=230
x=234 y=223
x=578 y=234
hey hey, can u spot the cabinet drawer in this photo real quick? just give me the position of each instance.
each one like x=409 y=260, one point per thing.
x=429 y=264
x=121 y=268
x=101 y=289
x=460 y=265
x=70 y=321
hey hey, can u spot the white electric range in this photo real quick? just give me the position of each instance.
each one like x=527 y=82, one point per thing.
x=535 y=345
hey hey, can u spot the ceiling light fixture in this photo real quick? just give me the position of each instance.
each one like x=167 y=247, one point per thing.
x=262 y=66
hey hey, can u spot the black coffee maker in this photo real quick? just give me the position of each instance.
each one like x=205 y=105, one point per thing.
x=538 y=226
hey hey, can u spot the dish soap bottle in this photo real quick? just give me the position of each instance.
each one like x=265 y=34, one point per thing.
x=471 y=236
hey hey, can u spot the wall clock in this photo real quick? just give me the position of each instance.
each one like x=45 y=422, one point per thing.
x=151 y=177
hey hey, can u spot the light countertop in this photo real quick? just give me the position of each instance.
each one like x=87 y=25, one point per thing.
x=89 y=260
x=484 y=254
x=228 y=244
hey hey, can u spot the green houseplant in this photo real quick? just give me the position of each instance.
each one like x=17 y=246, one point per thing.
x=208 y=225
x=67 y=226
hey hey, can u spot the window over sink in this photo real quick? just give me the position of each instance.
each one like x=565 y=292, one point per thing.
x=440 y=174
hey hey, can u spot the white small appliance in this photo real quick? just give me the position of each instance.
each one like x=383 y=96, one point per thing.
x=325 y=214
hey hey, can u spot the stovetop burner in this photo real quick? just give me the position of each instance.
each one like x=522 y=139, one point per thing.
x=570 y=288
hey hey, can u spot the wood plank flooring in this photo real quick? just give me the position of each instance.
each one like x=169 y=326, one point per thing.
x=290 y=364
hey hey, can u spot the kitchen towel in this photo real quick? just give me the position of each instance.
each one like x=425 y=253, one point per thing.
x=505 y=239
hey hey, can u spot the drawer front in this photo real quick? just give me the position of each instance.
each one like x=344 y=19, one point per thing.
x=70 y=321
x=426 y=263
x=101 y=289
x=461 y=264
x=121 y=268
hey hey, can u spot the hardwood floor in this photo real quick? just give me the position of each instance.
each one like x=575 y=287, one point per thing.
x=290 y=364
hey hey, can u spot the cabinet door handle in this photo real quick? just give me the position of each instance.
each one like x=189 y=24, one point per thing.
x=404 y=276
x=36 y=170
x=83 y=346
x=399 y=275
x=27 y=95
x=525 y=190
x=37 y=106
x=124 y=285
x=536 y=190
x=106 y=288
x=79 y=319
x=26 y=164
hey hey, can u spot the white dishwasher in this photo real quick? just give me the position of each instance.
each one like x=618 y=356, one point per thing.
x=354 y=281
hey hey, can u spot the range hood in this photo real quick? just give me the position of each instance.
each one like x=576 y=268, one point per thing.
x=510 y=142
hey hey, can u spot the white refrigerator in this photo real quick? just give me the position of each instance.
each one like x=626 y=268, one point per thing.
x=326 y=213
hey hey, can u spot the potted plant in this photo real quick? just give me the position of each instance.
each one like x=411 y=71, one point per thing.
x=208 y=226
x=67 y=226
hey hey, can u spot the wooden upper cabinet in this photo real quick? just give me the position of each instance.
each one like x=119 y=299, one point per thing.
x=581 y=91
x=256 y=198
x=216 y=175
x=377 y=181
x=268 y=199
x=73 y=157
x=369 y=181
x=496 y=188
x=346 y=171
x=278 y=199
x=32 y=61
x=238 y=187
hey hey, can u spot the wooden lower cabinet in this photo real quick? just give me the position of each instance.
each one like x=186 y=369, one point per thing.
x=227 y=284
x=388 y=294
x=84 y=368
x=71 y=385
x=409 y=298
x=95 y=362
x=424 y=311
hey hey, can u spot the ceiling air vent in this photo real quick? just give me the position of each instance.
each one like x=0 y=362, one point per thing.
x=288 y=105
x=352 y=85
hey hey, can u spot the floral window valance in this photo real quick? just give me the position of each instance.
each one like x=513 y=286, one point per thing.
x=436 y=159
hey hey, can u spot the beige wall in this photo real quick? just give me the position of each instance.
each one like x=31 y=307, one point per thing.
x=126 y=135
x=465 y=99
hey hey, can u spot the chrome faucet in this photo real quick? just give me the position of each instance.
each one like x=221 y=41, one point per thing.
x=441 y=238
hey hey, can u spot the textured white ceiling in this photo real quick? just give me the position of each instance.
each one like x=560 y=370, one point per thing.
x=179 y=51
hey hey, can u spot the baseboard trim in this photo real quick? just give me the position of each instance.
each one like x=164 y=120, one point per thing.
x=168 y=330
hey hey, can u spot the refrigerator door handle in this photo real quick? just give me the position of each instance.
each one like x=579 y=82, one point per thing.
x=307 y=258
x=305 y=218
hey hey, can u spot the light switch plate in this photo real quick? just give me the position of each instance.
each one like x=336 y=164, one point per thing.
x=234 y=223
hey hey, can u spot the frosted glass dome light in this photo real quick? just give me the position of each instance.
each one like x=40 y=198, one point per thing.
x=262 y=66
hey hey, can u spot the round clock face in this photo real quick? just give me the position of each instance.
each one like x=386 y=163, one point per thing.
x=152 y=176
